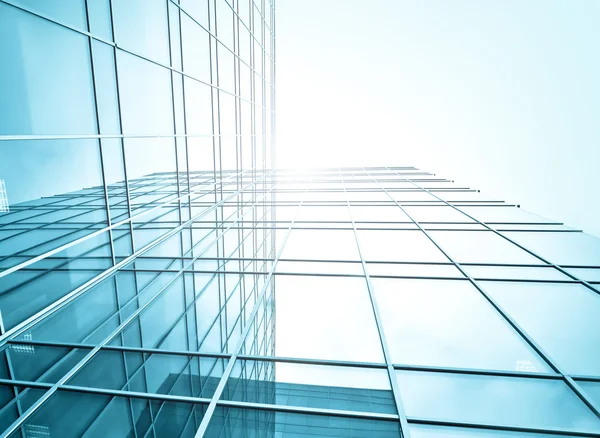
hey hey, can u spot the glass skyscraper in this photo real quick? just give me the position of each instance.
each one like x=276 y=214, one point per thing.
x=160 y=277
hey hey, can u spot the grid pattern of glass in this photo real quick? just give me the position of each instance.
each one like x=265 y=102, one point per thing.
x=394 y=303
x=135 y=138
x=159 y=279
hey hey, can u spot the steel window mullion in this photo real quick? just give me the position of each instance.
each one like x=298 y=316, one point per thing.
x=236 y=351
x=404 y=429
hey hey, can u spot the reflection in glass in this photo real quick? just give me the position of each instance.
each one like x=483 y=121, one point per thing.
x=423 y=431
x=449 y=323
x=561 y=318
x=243 y=422
x=307 y=307
x=507 y=401
x=314 y=386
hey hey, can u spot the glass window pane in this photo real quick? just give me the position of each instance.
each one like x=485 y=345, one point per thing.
x=189 y=376
x=332 y=245
x=196 y=56
x=413 y=269
x=28 y=291
x=11 y=404
x=40 y=168
x=588 y=274
x=106 y=87
x=378 y=214
x=315 y=386
x=141 y=27
x=74 y=414
x=562 y=318
x=481 y=247
x=503 y=214
x=436 y=214
x=40 y=363
x=502 y=401
x=398 y=246
x=313 y=213
x=307 y=307
x=247 y=422
x=145 y=92
x=424 y=431
x=87 y=318
x=592 y=390
x=562 y=248
x=70 y=12
x=515 y=272
x=449 y=324
x=41 y=98
x=198 y=10
x=320 y=267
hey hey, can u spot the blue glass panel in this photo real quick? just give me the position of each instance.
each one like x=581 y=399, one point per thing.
x=449 y=323
x=423 y=431
x=198 y=109
x=196 y=56
x=481 y=247
x=40 y=363
x=106 y=87
x=100 y=20
x=42 y=99
x=137 y=151
x=436 y=214
x=145 y=91
x=28 y=291
x=207 y=303
x=224 y=28
x=10 y=404
x=72 y=414
x=513 y=272
x=70 y=12
x=141 y=27
x=506 y=401
x=398 y=246
x=158 y=319
x=333 y=245
x=562 y=318
x=588 y=274
x=197 y=9
x=592 y=390
x=94 y=374
x=314 y=386
x=502 y=214
x=562 y=248
x=238 y=422
x=36 y=168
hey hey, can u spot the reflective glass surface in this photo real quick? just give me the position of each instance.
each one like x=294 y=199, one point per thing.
x=242 y=422
x=313 y=304
x=155 y=261
x=535 y=403
x=422 y=431
x=449 y=323
x=314 y=386
x=562 y=318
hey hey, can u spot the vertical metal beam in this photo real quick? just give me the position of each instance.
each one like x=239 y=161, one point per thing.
x=380 y=330
x=237 y=350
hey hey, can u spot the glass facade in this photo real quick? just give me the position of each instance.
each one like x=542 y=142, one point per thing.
x=160 y=277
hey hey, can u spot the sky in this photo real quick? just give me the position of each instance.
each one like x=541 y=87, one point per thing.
x=501 y=96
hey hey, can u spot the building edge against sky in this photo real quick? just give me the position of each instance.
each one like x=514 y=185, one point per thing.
x=138 y=259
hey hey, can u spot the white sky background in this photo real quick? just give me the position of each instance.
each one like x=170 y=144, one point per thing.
x=503 y=96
